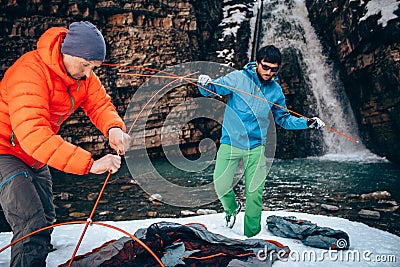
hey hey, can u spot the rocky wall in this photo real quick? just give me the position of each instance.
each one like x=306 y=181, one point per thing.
x=140 y=34
x=363 y=37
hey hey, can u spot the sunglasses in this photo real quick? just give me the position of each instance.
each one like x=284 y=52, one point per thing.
x=266 y=67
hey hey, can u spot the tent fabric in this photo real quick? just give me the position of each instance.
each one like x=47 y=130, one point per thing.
x=183 y=245
x=308 y=233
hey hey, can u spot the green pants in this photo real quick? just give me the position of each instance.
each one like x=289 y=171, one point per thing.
x=254 y=164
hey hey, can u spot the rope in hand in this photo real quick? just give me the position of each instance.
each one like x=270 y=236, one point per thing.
x=89 y=220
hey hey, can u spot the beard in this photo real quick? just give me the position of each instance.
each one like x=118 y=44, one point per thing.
x=260 y=77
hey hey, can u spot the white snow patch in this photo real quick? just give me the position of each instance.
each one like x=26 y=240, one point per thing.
x=385 y=7
x=368 y=246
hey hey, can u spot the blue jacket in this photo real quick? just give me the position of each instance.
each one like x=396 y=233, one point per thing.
x=246 y=120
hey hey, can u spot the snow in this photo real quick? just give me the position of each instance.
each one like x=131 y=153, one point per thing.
x=385 y=7
x=232 y=16
x=226 y=53
x=368 y=246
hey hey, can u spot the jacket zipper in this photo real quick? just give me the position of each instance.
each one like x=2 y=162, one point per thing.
x=12 y=138
x=12 y=177
x=72 y=102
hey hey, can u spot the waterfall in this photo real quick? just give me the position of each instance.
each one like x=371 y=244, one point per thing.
x=285 y=24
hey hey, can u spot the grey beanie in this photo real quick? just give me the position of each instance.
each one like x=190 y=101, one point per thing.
x=84 y=40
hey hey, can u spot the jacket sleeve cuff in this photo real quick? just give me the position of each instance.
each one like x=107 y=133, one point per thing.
x=89 y=165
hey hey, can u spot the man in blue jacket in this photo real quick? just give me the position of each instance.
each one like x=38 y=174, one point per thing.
x=244 y=131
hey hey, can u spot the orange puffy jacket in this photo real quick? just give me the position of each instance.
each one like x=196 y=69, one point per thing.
x=37 y=95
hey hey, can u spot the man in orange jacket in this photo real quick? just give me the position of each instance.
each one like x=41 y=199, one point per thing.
x=37 y=93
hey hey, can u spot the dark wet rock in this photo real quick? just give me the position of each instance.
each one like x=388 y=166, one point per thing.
x=77 y=214
x=92 y=196
x=205 y=211
x=121 y=208
x=187 y=213
x=152 y=214
x=334 y=199
x=388 y=209
x=369 y=214
x=387 y=206
x=64 y=196
x=376 y=195
x=67 y=206
x=133 y=181
x=126 y=187
x=155 y=197
x=388 y=203
x=352 y=196
x=329 y=207
x=266 y=208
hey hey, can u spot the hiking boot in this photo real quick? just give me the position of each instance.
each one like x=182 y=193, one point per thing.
x=231 y=219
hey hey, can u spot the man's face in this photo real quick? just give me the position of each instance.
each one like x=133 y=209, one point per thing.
x=266 y=70
x=79 y=68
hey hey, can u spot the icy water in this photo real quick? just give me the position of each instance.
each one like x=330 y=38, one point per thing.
x=293 y=185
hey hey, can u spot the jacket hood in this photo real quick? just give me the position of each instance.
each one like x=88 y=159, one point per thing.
x=250 y=67
x=49 y=49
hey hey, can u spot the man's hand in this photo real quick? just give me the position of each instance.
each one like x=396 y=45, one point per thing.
x=204 y=80
x=119 y=141
x=315 y=123
x=107 y=163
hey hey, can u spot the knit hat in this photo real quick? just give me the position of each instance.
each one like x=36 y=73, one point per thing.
x=84 y=40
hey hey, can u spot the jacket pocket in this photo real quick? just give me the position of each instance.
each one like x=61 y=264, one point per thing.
x=7 y=180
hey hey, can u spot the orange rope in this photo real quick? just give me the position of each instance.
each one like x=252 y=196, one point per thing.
x=89 y=220
x=291 y=111
x=82 y=222
x=38 y=231
x=168 y=74
x=257 y=97
x=151 y=98
x=237 y=90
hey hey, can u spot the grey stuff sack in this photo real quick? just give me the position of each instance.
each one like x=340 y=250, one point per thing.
x=308 y=233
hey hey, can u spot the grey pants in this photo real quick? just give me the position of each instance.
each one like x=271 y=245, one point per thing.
x=26 y=197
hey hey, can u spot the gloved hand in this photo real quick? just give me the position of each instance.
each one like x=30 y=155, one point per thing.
x=204 y=80
x=315 y=123
x=119 y=141
x=107 y=163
